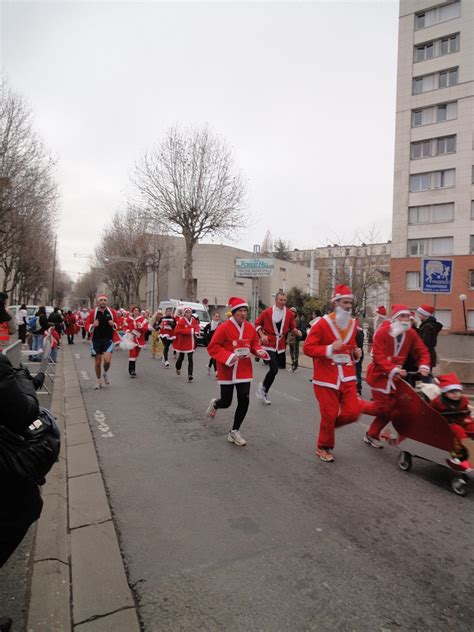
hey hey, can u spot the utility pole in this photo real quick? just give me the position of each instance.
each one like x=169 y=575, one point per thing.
x=54 y=270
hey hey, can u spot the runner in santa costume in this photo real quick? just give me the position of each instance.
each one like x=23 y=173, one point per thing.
x=272 y=326
x=136 y=325
x=101 y=325
x=167 y=333
x=380 y=316
x=331 y=343
x=394 y=342
x=186 y=330
x=232 y=346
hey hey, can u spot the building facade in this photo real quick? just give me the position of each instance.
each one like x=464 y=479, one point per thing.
x=433 y=208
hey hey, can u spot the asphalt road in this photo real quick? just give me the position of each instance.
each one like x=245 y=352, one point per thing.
x=267 y=537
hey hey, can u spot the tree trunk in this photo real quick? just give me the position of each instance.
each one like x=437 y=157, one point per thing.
x=188 y=269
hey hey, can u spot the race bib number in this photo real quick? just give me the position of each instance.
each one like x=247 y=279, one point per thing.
x=341 y=358
x=241 y=348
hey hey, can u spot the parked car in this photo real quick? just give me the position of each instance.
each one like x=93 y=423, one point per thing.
x=31 y=309
x=199 y=310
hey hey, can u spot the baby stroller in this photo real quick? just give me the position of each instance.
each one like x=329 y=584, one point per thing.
x=423 y=432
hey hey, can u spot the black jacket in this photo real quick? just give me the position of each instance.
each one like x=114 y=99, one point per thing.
x=428 y=332
x=19 y=405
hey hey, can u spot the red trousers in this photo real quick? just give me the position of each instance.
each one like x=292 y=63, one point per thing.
x=338 y=408
x=134 y=353
x=464 y=431
x=382 y=408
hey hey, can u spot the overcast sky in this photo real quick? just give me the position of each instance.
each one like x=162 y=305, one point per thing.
x=304 y=93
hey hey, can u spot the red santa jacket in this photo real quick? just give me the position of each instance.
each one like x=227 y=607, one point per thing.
x=232 y=346
x=137 y=328
x=114 y=323
x=276 y=337
x=186 y=332
x=167 y=327
x=388 y=355
x=457 y=417
x=330 y=368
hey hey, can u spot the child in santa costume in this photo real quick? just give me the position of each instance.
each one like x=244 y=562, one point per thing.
x=331 y=343
x=394 y=342
x=136 y=325
x=272 y=326
x=186 y=331
x=232 y=346
x=454 y=406
x=167 y=333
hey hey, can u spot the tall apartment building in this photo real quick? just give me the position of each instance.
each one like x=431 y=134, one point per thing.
x=433 y=208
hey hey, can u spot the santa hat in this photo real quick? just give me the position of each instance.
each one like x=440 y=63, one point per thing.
x=187 y=309
x=426 y=310
x=449 y=382
x=134 y=307
x=381 y=311
x=341 y=291
x=235 y=303
x=101 y=296
x=398 y=310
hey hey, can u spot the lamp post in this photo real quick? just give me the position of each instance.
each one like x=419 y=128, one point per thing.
x=462 y=298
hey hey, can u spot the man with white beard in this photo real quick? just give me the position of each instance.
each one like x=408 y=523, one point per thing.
x=332 y=345
x=394 y=341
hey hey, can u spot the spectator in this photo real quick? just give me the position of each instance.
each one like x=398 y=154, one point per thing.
x=20 y=501
x=56 y=319
x=294 y=341
x=39 y=326
x=7 y=322
x=429 y=330
x=70 y=326
x=21 y=317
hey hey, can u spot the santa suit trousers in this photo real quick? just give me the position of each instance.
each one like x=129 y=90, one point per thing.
x=384 y=403
x=337 y=407
x=134 y=353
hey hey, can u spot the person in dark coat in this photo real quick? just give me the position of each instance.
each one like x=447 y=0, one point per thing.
x=56 y=319
x=20 y=501
x=429 y=330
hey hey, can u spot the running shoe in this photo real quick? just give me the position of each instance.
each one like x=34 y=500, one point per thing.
x=234 y=436
x=97 y=385
x=325 y=455
x=178 y=371
x=209 y=370
x=375 y=443
x=260 y=393
x=190 y=378
x=266 y=400
x=167 y=364
x=106 y=378
x=211 y=409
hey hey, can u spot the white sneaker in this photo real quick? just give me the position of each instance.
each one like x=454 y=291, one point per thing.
x=167 y=364
x=163 y=361
x=97 y=385
x=260 y=393
x=375 y=443
x=211 y=409
x=234 y=436
x=106 y=379
x=209 y=370
x=266 y=400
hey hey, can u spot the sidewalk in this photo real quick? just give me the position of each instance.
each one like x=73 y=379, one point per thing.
x=78 y=580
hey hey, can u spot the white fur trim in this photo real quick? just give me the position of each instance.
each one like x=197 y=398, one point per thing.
x=235 y=307
x=338 y=297
x=423 y=312
x=452 y=387
x=399 y=313
x=231 y=360
x=329 y=351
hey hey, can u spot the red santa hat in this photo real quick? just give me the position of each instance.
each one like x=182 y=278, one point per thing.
x=187 y=309
x=101 y=296
x=341 y=291
x=398 y=310
x=426 y=310
x=235 y=303
x=381 y=311
x=449 y=382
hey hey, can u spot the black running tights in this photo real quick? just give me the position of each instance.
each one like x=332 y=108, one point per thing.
x=166 y=347
x=179 y=362
x=243 y=391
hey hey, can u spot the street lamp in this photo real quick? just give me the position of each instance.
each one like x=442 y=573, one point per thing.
x=462 y=298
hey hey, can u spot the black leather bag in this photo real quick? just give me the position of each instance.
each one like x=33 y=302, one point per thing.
x=28 y=457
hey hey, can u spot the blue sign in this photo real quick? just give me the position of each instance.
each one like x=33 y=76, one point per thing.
x=436 y=276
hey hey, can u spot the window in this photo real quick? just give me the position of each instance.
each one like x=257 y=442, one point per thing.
x=433 y=147
x=436 y=48
x=434 y=81
x=432 y=180
x=441 y=246
x=435 y=114
x=446 y=12
x=436 y=246
x=470 y=319
x=472 y=209
x=471 y=279
x=431 y=214
x=471 y=245
x=413 y=281
x=444 y=317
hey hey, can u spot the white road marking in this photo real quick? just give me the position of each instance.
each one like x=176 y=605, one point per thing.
x=77 y=355
x=102 y=425
x=85 y=375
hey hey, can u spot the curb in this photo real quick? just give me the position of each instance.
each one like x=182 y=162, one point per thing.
x=78 y=580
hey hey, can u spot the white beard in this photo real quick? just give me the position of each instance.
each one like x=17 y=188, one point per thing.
x=399 y=327
x=342 y=318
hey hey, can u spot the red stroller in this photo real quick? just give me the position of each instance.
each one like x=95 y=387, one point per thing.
x=423 y=432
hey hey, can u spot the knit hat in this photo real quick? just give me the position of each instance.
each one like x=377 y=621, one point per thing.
x=426 y=310
x=381 y=311
x=341 y=291
x=398 y=310
x=235 y=303
x=449 y=382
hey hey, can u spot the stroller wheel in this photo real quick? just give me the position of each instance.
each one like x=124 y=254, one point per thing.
x=459 y=485
x=405 y=461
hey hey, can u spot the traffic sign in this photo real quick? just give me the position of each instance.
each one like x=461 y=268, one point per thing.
x=436 y=276
x=253 y=268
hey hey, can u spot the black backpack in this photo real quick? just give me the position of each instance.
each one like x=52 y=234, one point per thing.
x=28 y=457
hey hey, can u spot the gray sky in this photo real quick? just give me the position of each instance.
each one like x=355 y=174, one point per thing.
x=303 y=92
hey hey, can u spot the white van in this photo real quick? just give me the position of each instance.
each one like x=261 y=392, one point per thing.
x=198 y=308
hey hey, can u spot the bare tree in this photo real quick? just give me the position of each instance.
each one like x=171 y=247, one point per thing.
x=267 y=244
x=190 y=185
x=86 y=288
